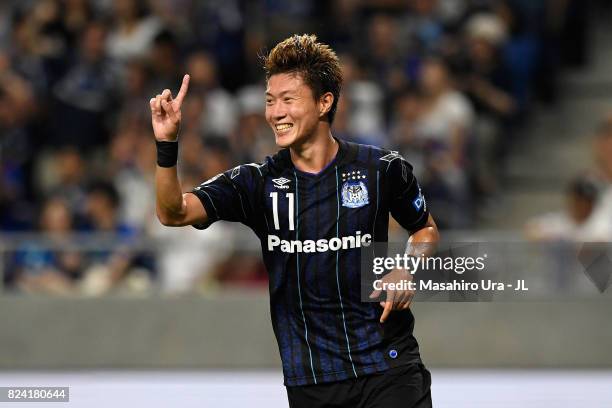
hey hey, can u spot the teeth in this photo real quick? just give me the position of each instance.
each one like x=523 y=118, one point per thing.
x=284 y=126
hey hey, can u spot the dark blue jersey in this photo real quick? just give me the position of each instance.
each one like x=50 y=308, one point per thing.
x=312 y=228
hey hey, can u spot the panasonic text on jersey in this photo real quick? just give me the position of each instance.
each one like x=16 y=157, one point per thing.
x=320 y=245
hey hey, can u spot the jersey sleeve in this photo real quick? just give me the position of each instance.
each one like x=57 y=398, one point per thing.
x=229 y=196
x=407 y=204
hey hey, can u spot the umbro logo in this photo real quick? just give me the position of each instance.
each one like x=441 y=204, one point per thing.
x=281 y=183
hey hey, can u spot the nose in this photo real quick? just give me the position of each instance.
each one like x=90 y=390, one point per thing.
x=277 y=111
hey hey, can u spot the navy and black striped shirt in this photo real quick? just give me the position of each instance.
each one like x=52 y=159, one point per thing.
x=311 y=227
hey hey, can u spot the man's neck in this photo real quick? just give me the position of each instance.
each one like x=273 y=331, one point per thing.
x=315 y=154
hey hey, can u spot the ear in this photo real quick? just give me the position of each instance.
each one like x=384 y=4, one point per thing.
x=325 y=103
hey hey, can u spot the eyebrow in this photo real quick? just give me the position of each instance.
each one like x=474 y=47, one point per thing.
x=282 y=93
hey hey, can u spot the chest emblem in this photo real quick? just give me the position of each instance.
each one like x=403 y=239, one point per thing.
x=354 y=191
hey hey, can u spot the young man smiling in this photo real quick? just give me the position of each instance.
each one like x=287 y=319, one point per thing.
x=313 y=205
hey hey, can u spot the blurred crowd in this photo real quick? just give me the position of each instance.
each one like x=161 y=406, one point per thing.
x=587 y=216
x=447 y=83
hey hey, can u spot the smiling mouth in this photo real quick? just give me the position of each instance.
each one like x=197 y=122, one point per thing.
x=283 y=127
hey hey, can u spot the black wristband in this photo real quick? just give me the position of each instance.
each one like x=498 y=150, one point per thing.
x=167 y=153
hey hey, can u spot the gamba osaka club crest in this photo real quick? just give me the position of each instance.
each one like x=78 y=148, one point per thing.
x=354 y=190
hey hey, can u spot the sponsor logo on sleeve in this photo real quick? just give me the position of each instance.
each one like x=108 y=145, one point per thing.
x=419 y=202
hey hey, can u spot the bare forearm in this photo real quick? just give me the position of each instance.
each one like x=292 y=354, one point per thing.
x=169 y=196
x=424 y=241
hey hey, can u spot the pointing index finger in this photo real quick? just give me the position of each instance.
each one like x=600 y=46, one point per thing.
x=183 y=91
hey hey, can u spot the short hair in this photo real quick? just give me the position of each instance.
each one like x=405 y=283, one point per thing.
x=316 y=62
x=585 y=188
x=107 y=190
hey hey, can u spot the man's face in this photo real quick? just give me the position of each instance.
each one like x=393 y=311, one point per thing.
x=433 y=77
x=291 y=109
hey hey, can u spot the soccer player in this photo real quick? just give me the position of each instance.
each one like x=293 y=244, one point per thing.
x=313 y=205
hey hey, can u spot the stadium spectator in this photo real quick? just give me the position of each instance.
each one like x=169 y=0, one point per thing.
x=252 y=139
x=63 y=172
x=586 y=218
x=135 y=91
x=87 y=94
x=581 y=221
x=442 y=132
x=486 y=82
x=407 y=109
x=51 y=271
x=219 y=113
x=162 y=61
x=132 y=173
x=133 y=30
x=364 y=101
x=384 y=53
x=18 y=107
x=424 y=26
x=116 y=265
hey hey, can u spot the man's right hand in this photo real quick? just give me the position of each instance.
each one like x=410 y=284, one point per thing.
x=166 y=113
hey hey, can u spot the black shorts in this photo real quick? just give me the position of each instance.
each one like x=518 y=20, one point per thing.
x=402 y=387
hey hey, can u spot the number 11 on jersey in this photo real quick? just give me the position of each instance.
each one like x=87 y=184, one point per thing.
x=291 y=203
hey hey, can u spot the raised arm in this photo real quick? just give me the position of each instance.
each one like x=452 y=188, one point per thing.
x=173 y=207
